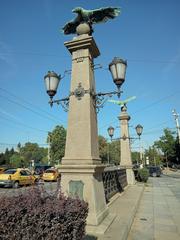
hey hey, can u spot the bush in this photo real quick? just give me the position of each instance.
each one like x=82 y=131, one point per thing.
x=35 y=215
x=143 y=175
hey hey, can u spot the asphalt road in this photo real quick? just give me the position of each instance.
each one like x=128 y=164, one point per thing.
x=49 y=187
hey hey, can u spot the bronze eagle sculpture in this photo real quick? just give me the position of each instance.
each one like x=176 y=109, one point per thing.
x=91 y=17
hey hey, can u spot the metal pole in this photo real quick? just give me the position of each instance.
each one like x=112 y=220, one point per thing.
x=167 y=162
x=140 y=154
x=176 y=116
x=49 y=145
x=108 y=155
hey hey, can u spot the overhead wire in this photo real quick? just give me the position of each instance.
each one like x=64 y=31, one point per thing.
x=21 y=123
x=144 y=108
x=66 y=56
x=48 y=116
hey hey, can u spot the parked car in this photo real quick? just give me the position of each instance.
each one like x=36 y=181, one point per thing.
x=51 y=174
x=1 y=170
x=16 y=177
x=40 y=169
x=154 y=171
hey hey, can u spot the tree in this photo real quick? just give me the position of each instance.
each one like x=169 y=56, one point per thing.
x=109 y=152
x=31 y=151
x=57 y=144
x=103 y=149
x=135 y=157
x=167 y=144
x=2 y=159
x=114 y=150
x=153 y=155
x=5 y=157
x=19 y=147
x=16 y=161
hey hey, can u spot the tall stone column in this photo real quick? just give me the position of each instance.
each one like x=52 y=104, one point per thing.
x=126 y=160
x=81 y=169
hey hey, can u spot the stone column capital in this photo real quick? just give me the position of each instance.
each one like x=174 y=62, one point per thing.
x=124 y=117
x=83 y=42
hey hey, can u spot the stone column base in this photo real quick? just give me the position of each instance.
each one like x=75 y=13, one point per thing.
x=129 y=174
x=85 y=181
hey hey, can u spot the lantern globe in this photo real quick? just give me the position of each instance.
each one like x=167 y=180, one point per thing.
x=118 y=71
x=51 y=80
x=110 y=131
x=139 y=130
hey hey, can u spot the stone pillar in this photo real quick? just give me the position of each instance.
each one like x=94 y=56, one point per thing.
x=126 y=160
x=81 y=169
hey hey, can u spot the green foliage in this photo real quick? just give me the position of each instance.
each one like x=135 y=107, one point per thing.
x=22 y=157
x=5 y=157
x=31 y=151
x=2 y=159
x=114 y=149
x=135 y=157
x=57 y=139
x=17 y=161
x=103 y=149
x=109 y=151
x=143 y=174
x=167 y=144
x=154 y=156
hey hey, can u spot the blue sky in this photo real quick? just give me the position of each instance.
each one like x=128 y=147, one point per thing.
x=146 y=33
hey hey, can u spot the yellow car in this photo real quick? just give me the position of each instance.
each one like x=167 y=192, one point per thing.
x=51 y=174
x=16 y=177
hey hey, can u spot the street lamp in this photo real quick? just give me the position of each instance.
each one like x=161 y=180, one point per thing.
x=51 y=81
x=110 y=131
x=118 y=71
x=139 y=130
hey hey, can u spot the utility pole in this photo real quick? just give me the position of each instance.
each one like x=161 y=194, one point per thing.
x=49 y=146
x=176 y=117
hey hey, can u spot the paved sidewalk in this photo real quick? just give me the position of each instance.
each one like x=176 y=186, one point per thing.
x=158 y=216
x=124 y=207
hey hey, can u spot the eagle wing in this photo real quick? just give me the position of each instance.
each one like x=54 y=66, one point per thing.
x=122 y=102
x=70 y=27
x=129 y=99
x=115 y=102
x=103 y=14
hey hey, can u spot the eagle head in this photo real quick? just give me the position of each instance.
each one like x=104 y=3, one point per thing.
x=77 y=10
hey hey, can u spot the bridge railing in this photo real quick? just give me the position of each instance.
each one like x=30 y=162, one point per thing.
x=114 y=180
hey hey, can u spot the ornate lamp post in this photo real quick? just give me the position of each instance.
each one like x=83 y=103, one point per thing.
x=81 y=168
x=118 y=70
x=126 y=160
x=111 y=134
x=139 y=130
x=81 y=165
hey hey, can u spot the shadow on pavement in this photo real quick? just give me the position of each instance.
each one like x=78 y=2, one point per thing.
x=90 y=237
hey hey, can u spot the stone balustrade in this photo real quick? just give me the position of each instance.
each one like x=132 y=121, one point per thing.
x=114 y=180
